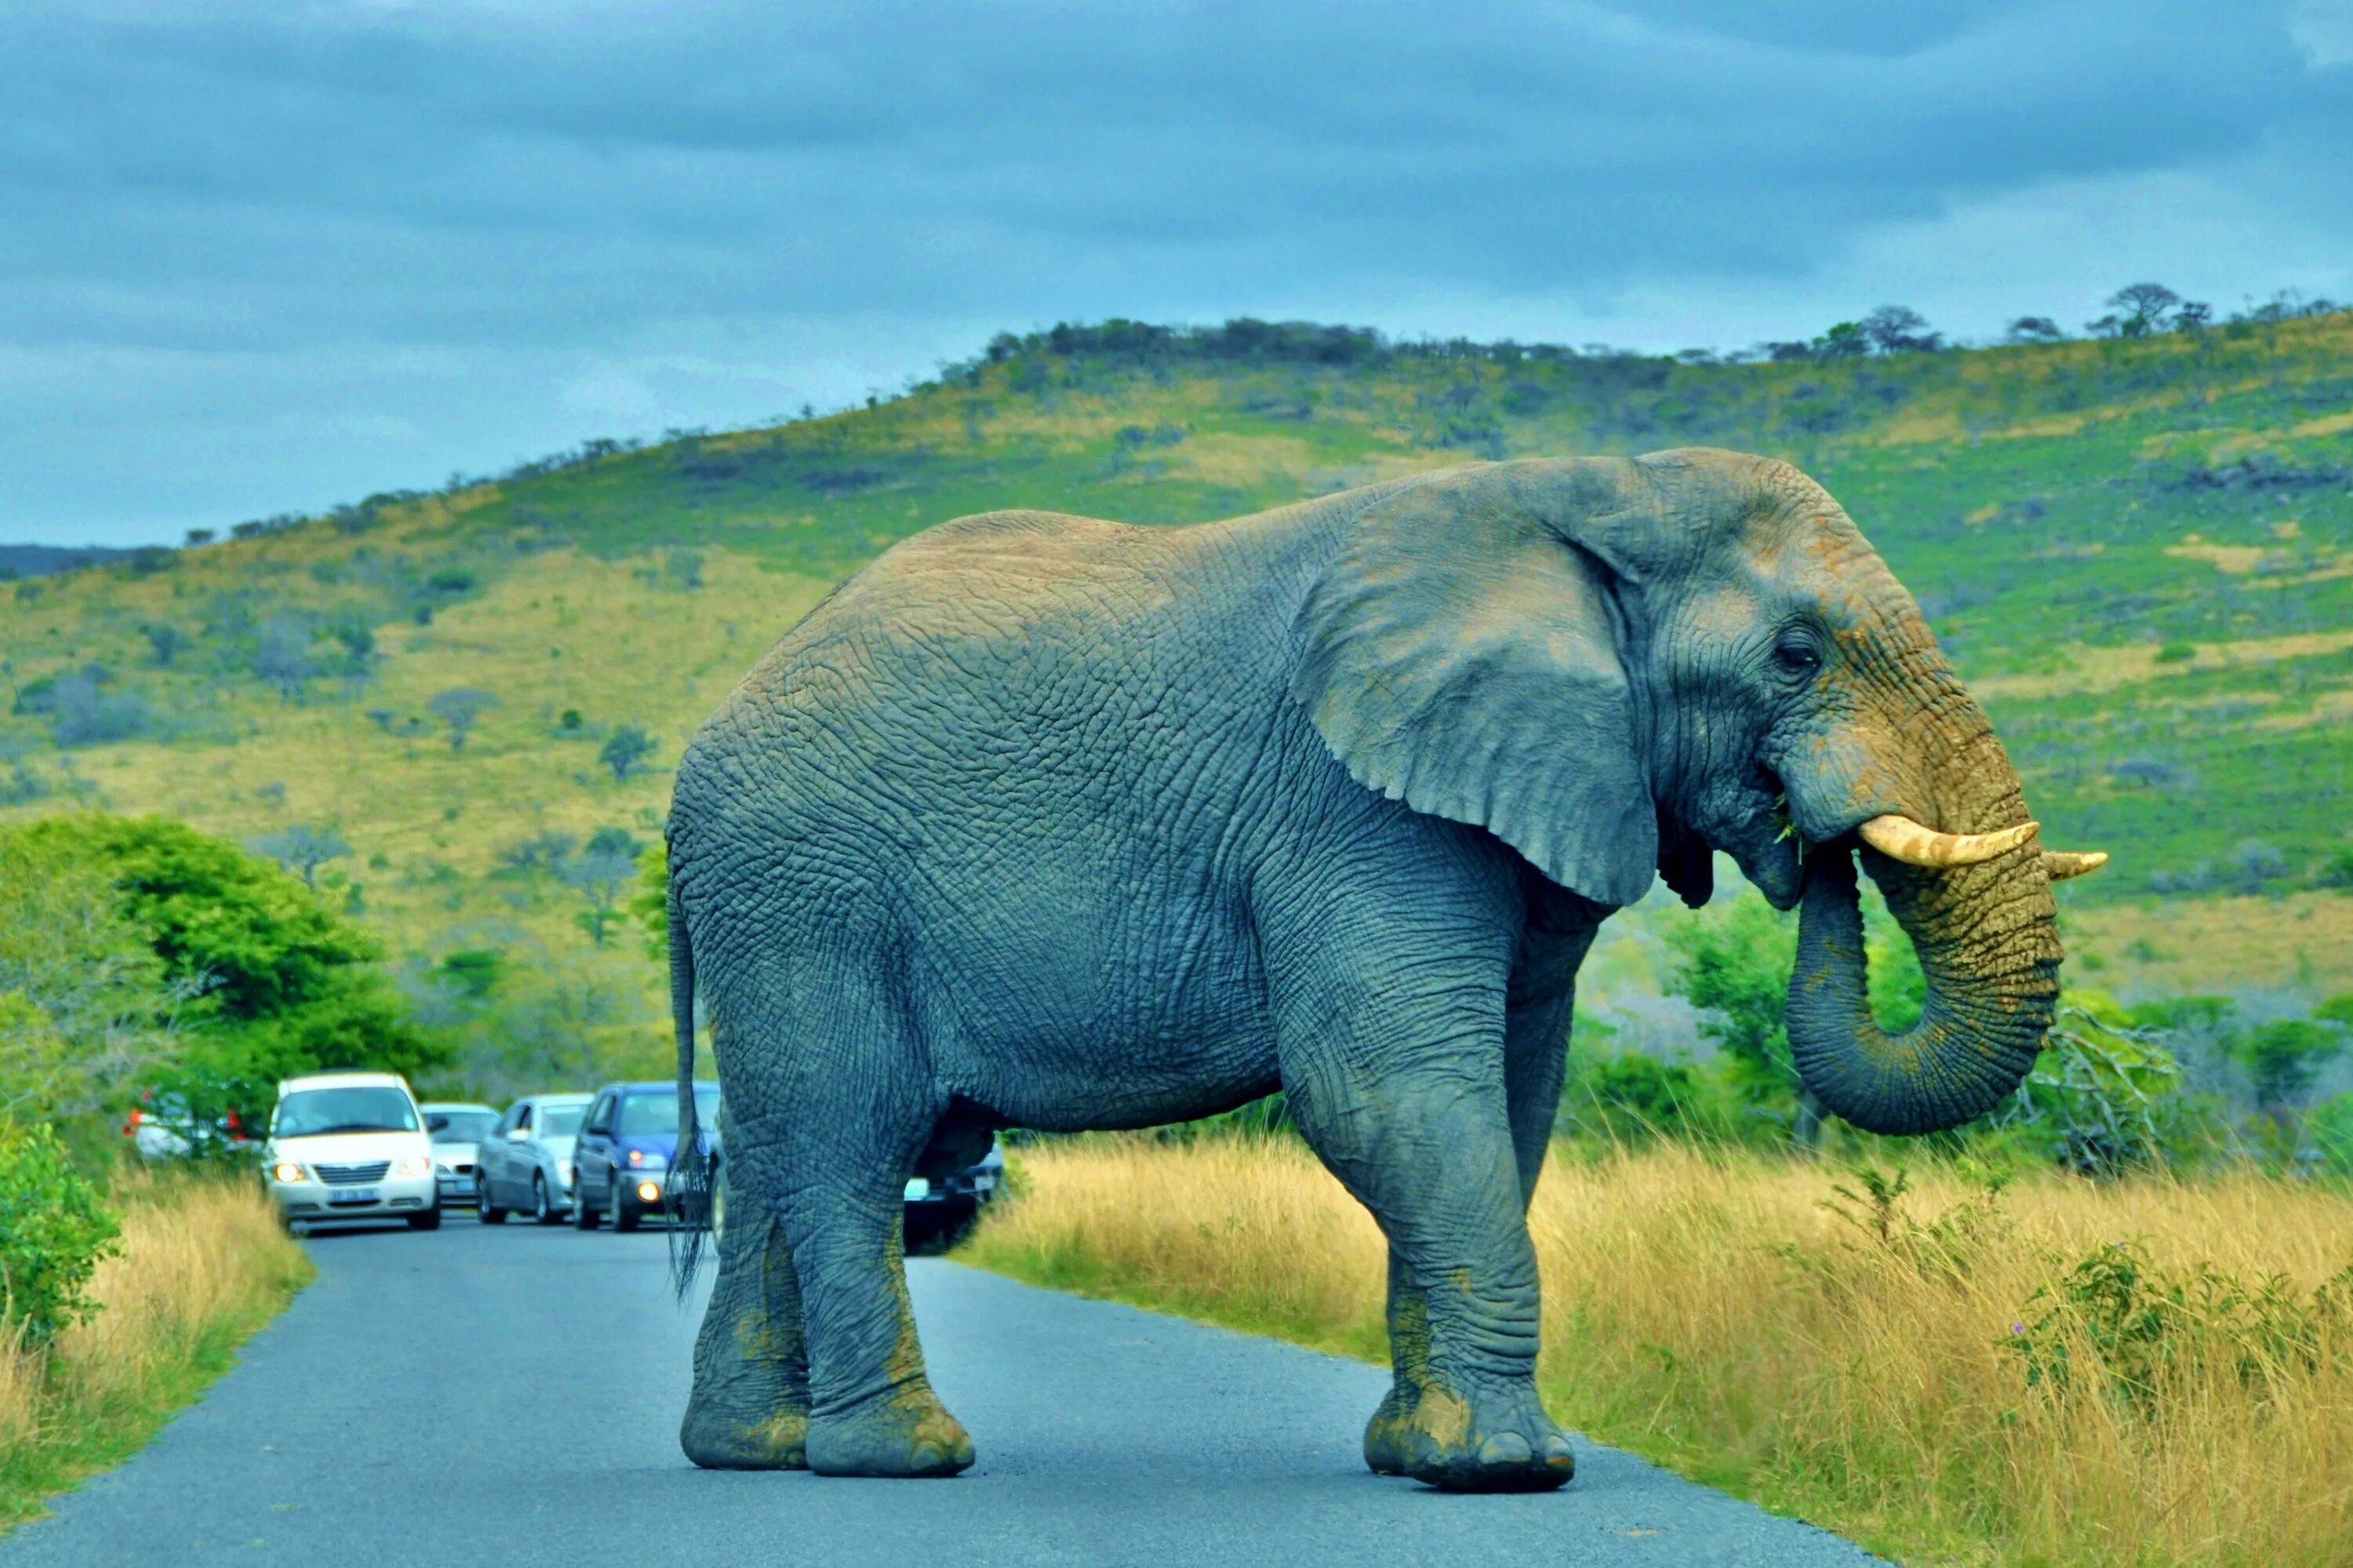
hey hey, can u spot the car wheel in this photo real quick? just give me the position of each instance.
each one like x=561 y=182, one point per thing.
x=623 y=1217
x=490 y=1213
x=583 y=1218
x=430 y=1220
x=540 y=1208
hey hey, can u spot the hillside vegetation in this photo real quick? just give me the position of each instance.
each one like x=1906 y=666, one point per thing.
x=2139 y=551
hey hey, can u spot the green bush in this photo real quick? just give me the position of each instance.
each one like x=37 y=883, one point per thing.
x=1618 y=1097
x=53 y=1231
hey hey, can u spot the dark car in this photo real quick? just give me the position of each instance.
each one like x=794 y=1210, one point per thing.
x=941 y=1213
x=620 y=1162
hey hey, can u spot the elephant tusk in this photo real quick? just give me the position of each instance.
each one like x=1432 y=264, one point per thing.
x=1901 y=837
x=2061 y=864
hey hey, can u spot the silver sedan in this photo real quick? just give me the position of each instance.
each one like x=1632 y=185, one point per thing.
x=526 y=1160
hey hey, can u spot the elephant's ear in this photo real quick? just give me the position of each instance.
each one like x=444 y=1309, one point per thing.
x=1459 y=652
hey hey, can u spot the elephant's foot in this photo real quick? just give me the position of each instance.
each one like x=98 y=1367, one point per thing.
x=1491 y=1441
x=907 y=1432
x=1387 y=1435
x=717 y=1441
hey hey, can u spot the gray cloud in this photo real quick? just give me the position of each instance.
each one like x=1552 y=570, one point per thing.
x=308 y=252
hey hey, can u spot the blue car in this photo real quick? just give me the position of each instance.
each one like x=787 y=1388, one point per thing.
x=620 y=1162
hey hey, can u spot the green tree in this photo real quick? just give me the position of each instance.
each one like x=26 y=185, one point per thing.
x=85 y=1004
x=601 y=874
x=2282 y=1058
x=649 y=905
x=277 y=981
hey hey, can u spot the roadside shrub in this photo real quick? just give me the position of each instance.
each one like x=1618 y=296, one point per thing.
x=53 y=1231
x=2118 y=1325
x=2103 y=1098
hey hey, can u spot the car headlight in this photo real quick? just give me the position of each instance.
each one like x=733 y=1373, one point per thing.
x=563 y=1171
x=649 y=1192
x=415 y=1165
x=646 y=1160
x=288 y=1171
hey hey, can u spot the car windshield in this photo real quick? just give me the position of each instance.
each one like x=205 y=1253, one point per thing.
x=359 y=1107
x=463 y=1126
x=559 y=1121
x=657 y=1112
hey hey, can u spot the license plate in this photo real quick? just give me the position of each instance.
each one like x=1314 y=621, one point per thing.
x=354 y=1195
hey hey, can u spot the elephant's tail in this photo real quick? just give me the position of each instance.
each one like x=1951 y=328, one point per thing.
x=690 y=1178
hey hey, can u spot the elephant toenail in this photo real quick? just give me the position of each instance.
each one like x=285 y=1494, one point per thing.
x=1505 y=1448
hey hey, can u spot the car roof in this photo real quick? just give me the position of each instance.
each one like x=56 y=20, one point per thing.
x=566 y=1099
x=646 y=1084
x=456 y=1105
x=341 y=1081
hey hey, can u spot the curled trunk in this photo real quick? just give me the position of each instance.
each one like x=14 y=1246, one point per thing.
x=1987 y=939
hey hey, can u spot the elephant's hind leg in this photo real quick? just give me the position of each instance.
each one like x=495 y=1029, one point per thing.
x=851 y=1134
x=750 y=1406
x=872 y=1411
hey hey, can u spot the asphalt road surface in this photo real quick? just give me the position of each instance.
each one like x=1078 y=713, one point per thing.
x=510 y=1397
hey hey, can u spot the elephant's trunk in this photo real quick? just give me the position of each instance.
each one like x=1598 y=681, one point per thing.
x=1987 y=939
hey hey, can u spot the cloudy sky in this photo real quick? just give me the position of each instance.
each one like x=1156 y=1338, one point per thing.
x=269 y=255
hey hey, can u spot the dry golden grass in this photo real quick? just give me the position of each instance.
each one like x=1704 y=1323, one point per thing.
x=1712 y=1313
x=204 y=1263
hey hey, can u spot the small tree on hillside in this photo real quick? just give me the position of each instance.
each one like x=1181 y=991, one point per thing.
x=2035 y=329
x=602 y=873
x=2143 y=308
x=1898 y=329
x=165 y=642
x=626 y=749
x=460 y=707
x=281 y=656
x=303 y=849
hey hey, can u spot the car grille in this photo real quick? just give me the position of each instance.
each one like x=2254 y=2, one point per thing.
x=344 y=1175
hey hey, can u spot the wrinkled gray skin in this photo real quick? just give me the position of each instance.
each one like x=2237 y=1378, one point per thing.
x=1046 y=821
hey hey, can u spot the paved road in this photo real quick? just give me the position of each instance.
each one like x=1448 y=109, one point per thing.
x=509 y=1398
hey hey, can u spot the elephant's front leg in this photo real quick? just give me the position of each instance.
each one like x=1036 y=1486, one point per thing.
x=750 y=1406
x=1535 y=1057
x=1396 y=1071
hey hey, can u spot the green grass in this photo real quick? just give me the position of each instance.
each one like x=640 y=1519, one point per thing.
x=2066 y=514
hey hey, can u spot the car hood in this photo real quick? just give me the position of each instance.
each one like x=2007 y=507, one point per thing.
x=350 y=1147
x=559 y=1146
x=457 y=1153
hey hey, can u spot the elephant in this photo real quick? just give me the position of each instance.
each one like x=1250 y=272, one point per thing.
x=1045 y=821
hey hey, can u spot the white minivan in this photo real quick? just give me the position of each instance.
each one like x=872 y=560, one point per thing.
x=351 y=1146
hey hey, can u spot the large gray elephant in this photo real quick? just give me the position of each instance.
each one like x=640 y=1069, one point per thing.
x=1044 y=822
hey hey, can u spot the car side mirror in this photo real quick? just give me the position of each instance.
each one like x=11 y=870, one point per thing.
x=518 y=1135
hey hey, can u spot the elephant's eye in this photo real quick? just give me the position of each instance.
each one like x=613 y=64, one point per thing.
x=1797 y=654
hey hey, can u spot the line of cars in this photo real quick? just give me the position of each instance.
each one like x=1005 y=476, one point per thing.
x=359 y=1146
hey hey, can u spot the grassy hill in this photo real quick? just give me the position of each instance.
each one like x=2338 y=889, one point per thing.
x=2139 y=552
